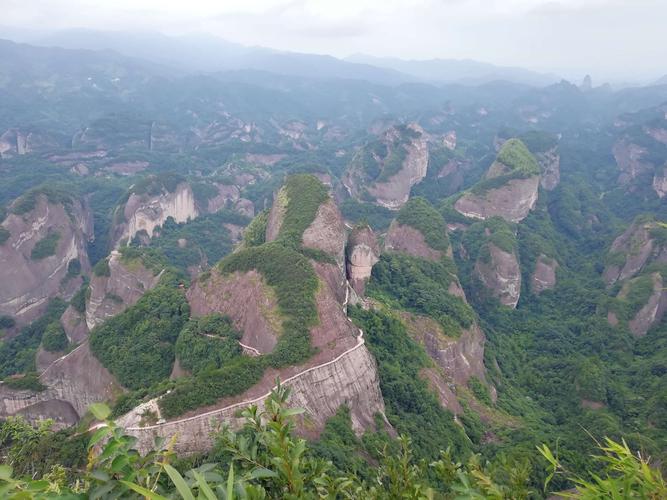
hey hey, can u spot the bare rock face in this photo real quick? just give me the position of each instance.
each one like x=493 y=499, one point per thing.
x=407 y=239
x=389 y=186
x=74 y=324
x=111 y=295
x=660 y=182
x=246 y=299
x=29 y=281
x=457 y=358
x=630 y=160
x=632 y=251
x=653 y=311
x=73 y=382
x=500 y=275
x=145 y=213
x=363 y=252
x=19 y=142
x=544 y=275
x=550 y=164
x=512 y=202
x=327 y=232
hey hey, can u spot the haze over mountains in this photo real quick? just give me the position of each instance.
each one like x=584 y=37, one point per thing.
x=204 y=53
x=468 y=255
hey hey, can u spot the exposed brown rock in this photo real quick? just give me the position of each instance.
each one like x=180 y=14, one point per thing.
x=512 y=201
x=145 y=213
x=660 y=181
x=110 y=295
x=544 y=274
x=27 y=284
x=394 y=192
x=363 y=251
x=550 y=164
x=501 y=275
x=653 y=311
x=246 y=299
x=327 y=232
x=407 y=239
x=629 y=158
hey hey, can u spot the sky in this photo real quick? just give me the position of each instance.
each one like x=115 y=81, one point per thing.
x=610 y=39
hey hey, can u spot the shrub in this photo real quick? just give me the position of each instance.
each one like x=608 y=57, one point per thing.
x=102 y=268
x=28 y=382
x=73 y=268
x=420 y=214
x=54 y=338
x=46 y=247
x=4 y=235
x=207 y=343
x=7 y=321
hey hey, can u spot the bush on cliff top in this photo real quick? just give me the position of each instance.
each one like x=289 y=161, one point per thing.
x=46 y=247
x=420 y=214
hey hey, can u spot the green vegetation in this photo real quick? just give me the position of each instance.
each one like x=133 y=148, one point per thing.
x=102 y=268
x=289 y=272
x=301 y=197
x=73 y=268
x=635 y=295
x=137 y=346
x=495 y=231
x=255 y=233
x=518 y=159
x=480 y=390
x=155 y=185
x=78 y=302
x=376 y=216
x=266 y=460
x=4 y=235
x=46 y=247
x=17 y=355
x=7 y=321
x=538 y=141
x=420 y=286
x=421 y=215
x=54 y=338
x=203 y=240
x=55 y=194
x=207 y=343
x=411 y=406
x=28 y=382
x=150 y=258
x=203 y=191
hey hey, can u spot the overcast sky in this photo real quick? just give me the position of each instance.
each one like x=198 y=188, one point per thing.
x=607 y=38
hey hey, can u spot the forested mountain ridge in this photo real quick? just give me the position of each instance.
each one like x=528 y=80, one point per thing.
x=170 y=244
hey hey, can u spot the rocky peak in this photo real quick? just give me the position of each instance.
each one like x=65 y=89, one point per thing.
x=500 y=274
x=363 y=251
x=150 y=206
x=43 y=253
x=386 y=169
x=642 y=243
x=509 y=189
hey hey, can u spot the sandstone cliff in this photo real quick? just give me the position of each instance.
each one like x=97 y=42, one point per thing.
x=38 y=259
x=363 y=251
x=386 y=169
x=145 y=212
x=633 y=250
x=544 y=274
x=500 y=274
x=109 y=295
x=550 y=165
x=407 y=239
x=651 y=307
x=73 y=382
x=510 y=188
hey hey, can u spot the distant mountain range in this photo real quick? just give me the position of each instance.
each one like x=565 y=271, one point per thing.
x=204 y=53
x=464 y=71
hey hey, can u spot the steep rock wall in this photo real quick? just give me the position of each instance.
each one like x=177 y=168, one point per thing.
x=653 y=311
x=550 y=165
x=74 y=381
x=145 y=213
x=512 y=201
x=407 y=239
x=28 y=283
x=111 y=295
x=544 y=274
x=363 y=252
x=501 y=275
